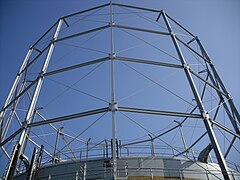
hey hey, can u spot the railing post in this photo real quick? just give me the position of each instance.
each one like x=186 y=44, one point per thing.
x=152 y=146
x=193 y=154
x=77 y=176
x=180 y=174
x=120 y=148
x=173 y=151
x=80 y=154
x=106 y=148
x=126 y=169
x=85 y=171
x=127 y=151
x=103 y=151
x=49 y=177
x=87 y=148
x=207 y=174
x=151 y=173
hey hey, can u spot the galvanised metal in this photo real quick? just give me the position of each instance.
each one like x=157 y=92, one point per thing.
x=112 y=166
x=18 y=148
x=12 y=91
x=235 y=113
x=113 y=100
x=201 y=108
x=132 y=168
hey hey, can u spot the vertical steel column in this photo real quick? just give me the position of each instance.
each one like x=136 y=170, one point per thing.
x=54 y=158
x=106 y=148
x=18 y=148
x=87 y=150
x=152 y=146
x=38 y=162
x=230 y=101
x=10 y=116
x=202 y=110
x=85 y=171
x=31 y=167
x=221 y=97
x=13 y=89
x=113 y=103
x=183 y=139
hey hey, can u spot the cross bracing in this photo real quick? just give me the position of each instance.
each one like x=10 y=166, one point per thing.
x=158 y=74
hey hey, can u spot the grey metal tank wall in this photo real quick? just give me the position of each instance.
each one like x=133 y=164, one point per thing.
x=132 y=168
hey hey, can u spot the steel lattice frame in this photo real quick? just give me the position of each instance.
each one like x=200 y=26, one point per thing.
x=21 y=88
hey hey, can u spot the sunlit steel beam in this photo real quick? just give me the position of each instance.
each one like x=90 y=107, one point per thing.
x=69 y=117
x=157 y=112
x=76 y=66
x=157 y=63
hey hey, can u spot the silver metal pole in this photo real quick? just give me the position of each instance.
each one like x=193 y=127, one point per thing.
x=87 y=148
x=183 y=139
x=152 y=146
x=184 y=142
x=202 y=110
x=113 y=103
x=54 y=158
x=77 y=176
x=229 y=98
x=31 y=168
x=18 y=148
x=13 y=89
x=85 y=171
x=9 y=119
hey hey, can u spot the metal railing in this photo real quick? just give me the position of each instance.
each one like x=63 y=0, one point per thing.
x=100 y=172
x=104 y=151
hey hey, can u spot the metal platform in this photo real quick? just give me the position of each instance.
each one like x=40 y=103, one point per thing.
x=131 y=168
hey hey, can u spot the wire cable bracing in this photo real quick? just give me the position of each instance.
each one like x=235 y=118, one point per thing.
x=136 y=46
x=49 y=144
x=77 y=90
x=81 y=47
x=171 y=92
x=168 y=144
x=153 y=21
x=84 y=17
x=81 y=44
x=151 y=45
x=225 y=138
x=88 y=20
x=146 y=87
x=83 y=131
x=75 y=83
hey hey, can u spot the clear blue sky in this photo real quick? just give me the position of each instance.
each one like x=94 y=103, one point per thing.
x=216 y=22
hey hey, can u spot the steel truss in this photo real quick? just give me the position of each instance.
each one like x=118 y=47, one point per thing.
x=16 y=93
